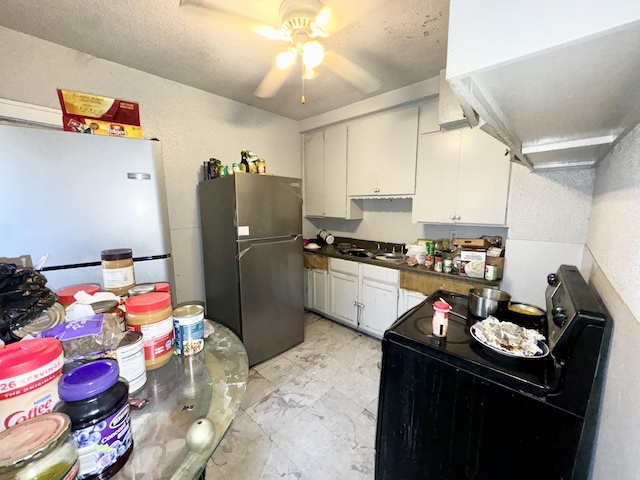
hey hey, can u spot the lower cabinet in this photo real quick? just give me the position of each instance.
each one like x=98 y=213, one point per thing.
x=408 y=300
x=316 y=289
x=363 y=296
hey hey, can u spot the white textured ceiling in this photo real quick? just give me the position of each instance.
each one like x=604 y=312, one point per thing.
x=402 y=42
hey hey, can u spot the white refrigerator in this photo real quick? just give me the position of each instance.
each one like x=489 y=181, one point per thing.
x=71 y=195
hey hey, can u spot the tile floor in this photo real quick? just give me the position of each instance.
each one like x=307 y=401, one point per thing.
x=307 y=414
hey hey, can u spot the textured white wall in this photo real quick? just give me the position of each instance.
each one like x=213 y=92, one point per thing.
x=614 y=227
x=191 y=124
x=613 y=240
x=547 y=217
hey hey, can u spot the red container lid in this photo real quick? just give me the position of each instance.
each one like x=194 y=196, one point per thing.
x=148 y=302
x=163 y=287
x=28 y=355
x=442 y=306
x=66 y=294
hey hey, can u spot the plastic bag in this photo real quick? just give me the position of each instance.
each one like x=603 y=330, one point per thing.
x=23 y=296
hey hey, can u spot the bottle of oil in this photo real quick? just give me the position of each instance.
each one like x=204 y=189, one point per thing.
x=243 y=161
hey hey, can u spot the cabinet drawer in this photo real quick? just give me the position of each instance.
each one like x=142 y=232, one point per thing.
x=343 y=266
x=381 y=274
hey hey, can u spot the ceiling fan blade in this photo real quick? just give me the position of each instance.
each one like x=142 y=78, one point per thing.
x=337 y=14
x=201 y=8
x=352 y=73
x=273 y=80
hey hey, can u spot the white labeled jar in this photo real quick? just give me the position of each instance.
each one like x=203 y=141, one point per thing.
x=440 y=322
x=117 y=270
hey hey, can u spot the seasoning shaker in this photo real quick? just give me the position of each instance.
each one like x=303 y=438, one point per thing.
x=440 y=322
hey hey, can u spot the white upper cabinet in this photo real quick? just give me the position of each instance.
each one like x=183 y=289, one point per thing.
x=314 y=174
x=429 y=121
x=382 y=154
x=325 y=175
x=555 y=81
x=462 y=177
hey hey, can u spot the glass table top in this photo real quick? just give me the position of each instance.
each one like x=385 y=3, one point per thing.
x=191 y=403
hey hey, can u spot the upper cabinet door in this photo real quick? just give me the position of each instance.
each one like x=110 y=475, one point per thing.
x=483 y=179
x=382 y=154
x=437 y=177
x=335 y=171
x=314 y=174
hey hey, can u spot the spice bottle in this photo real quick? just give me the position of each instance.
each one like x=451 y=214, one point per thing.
x=96 y=401
x=117 y=270
x=437 y=266
x=151 y=314
x=39 y=448
x=440 y=322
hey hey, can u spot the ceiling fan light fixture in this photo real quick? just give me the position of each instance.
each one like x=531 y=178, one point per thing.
x=285 y=59
x=310 y=73
x=312 y=54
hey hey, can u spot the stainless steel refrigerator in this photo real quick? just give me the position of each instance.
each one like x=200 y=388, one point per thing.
x=252 y=248
x=72 y=195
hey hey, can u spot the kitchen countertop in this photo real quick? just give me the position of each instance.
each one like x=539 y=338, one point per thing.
x=334 y=252
x=206 y=388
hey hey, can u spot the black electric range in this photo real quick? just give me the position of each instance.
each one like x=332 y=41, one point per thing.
x=452 y=409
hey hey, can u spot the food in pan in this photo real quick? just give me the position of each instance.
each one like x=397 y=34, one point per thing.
x=509 y=338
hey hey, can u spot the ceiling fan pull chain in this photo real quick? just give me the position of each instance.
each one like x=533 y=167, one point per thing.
x=302 y=99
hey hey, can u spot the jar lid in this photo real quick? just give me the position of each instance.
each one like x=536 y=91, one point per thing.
x=32 y=439
x=141 y=288
x=88 y=380
x=66 y=294
x=103 y=306
x=116 y=254
x=442 y=306
x=24 y=357
x=148 y=302
x=163 y=287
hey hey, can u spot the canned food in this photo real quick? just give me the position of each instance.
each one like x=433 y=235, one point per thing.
x=188 y=325
x=130 y=355
x=491 y=272
x=142 y=288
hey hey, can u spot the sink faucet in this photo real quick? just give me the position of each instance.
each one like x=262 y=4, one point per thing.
x=378 y=245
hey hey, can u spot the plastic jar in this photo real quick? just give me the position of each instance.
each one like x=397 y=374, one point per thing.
x=117 y=270
x=440 y=322
x=163 y=287
x=96 y=400
x=66 y=294
x=188 y=326
x=40 y=448
x=29 y=374
x=151 y=314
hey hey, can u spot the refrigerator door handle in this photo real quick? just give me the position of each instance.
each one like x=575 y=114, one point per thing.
x=265 y=241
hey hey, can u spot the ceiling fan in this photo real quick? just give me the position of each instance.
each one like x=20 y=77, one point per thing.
x=303 y=25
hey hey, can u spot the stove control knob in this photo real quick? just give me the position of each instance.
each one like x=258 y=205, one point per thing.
x=551 y=279
x=559 y=319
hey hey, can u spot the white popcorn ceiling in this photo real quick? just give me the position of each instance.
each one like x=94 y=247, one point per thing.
x=402 y=42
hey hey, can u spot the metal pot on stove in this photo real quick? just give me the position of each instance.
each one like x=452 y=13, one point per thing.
x=484 y=302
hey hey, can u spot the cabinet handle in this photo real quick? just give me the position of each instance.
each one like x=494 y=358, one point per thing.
x=458 y=217
x=452 y=217
x=359 y=305
x=376 y=190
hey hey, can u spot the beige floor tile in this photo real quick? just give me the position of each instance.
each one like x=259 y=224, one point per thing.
x=266 y=462
x=258 y=387
x=280 y=371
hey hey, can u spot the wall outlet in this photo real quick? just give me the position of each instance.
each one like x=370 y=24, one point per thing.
x=452 y=235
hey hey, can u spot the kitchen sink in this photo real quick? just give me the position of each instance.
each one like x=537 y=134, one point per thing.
x=357 y=252
x=390 y=257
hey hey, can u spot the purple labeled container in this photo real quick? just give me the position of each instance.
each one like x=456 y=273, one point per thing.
x=95 y=398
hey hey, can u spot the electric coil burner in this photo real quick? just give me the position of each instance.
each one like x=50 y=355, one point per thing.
x=451 y=409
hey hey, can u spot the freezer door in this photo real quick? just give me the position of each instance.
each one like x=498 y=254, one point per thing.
x=268 y=206
x=271 y=296
x=72 y=196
